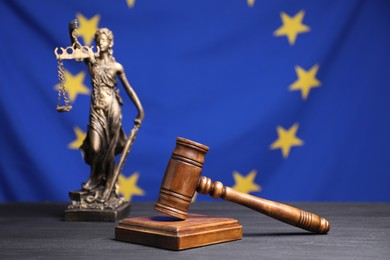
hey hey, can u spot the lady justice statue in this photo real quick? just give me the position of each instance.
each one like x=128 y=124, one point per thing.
x=98 y=200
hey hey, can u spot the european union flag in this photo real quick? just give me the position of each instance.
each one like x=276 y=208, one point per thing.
x=292 y=97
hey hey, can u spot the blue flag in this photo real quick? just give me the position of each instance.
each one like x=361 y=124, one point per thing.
x=292 y=97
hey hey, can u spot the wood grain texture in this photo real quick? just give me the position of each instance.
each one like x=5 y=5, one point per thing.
x=171 y=233
x=37 y=231
x=182 y=178
x=285 y=213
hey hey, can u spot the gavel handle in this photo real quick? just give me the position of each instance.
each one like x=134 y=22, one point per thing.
x=285 y=213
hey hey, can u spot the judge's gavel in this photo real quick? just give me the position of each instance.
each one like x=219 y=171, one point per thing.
x=182 y=178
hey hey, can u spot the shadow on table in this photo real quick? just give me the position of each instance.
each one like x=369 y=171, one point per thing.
x=279 y=234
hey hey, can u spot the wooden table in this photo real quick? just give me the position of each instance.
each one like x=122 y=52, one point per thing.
x=358 y=231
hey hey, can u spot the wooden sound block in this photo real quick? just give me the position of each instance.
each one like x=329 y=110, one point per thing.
x=170 y=233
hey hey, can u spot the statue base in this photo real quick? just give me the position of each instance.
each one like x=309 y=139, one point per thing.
x=173 y=234
x=102 y=215
x=113 y=210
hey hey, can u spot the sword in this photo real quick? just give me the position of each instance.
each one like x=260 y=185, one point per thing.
x=118 y=169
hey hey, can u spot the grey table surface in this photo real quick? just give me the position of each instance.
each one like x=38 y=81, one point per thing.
x=358 y=231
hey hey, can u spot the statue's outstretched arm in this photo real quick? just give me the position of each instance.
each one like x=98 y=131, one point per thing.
x=133 y=96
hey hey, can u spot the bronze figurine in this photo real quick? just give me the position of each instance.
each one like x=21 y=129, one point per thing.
x=105 y=137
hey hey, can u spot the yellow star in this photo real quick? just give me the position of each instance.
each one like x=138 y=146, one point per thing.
x=306 y=80
x=87 y=27
x=292 y=26
x=128 y=186
x=250 y=2
x=131 y=3
x=80 y=136
x=286 y=139
x=74 y=85
x=245 y=184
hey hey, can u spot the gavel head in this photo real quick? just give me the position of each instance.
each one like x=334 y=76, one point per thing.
x=181 y=178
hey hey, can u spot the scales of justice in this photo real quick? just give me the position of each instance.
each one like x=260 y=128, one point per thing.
x=98 y=199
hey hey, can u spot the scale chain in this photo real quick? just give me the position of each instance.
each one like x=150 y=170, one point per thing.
x=62 y=92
